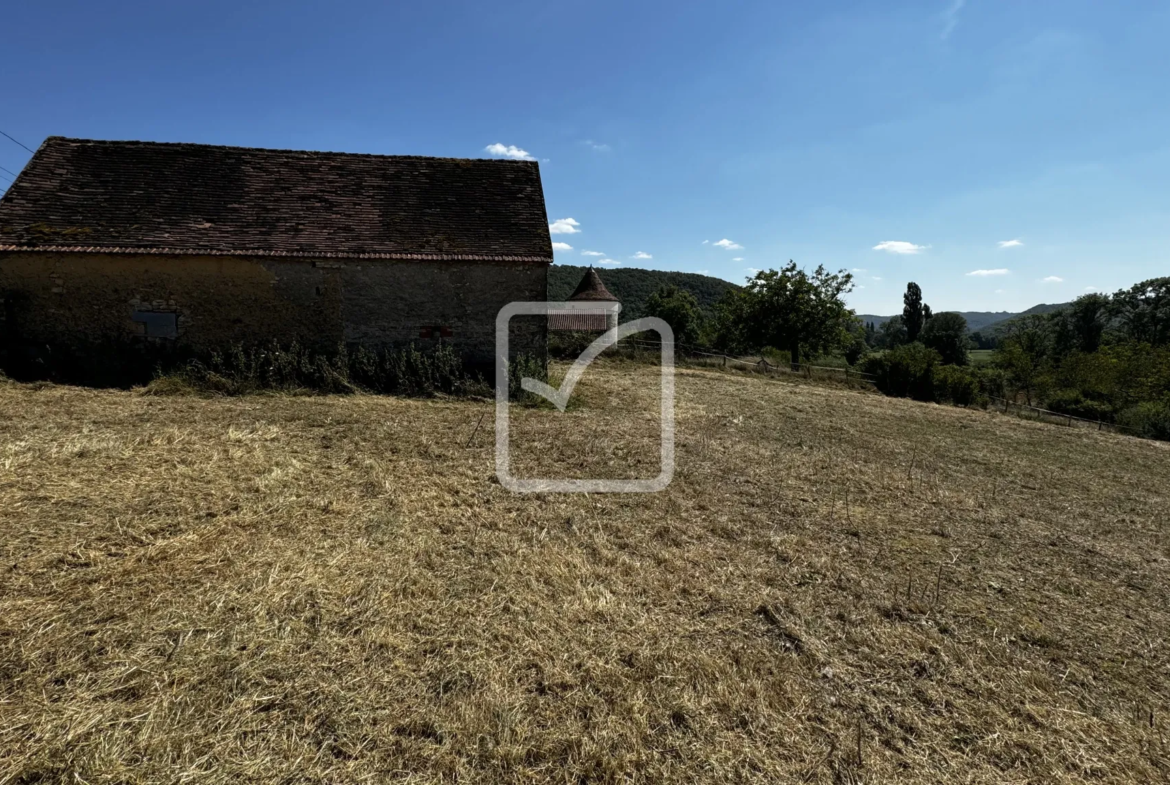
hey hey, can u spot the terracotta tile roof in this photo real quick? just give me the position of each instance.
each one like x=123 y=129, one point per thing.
x=149 y=197
x=578 y=320
x=591 y=288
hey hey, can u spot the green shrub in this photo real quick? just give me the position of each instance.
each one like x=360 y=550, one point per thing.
x=904 y=372
x=956 y=384
x=1074 y=403
x=1150 y=420
x=568 y=344
x=521 y=366
x=776 y=356
x=993 y=381
x=242 y=370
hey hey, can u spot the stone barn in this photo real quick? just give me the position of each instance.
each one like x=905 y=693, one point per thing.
x=107 y=246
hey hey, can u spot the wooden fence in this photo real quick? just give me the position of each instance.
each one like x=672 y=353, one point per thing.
x=762 y=364
x=1003 y=405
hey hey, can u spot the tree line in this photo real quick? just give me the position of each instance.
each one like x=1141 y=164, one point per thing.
x=1103 y=357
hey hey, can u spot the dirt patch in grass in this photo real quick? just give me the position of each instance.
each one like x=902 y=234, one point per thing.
x=837 y=587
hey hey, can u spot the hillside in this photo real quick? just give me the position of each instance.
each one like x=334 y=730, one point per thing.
x=977 y=320
x=337 y=589
x=634 y=286
x=1035 y=309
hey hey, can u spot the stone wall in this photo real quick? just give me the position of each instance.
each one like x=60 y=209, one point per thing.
x=197 y=303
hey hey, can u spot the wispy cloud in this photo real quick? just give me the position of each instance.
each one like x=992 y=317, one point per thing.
x=1053 y=279
x=1010 y=243
x=703 y=272
x=984 y=273
x=876 y=278
x=729 y=245
x=951 y=17
x=705 y=242
x=592 y=253
x=752 y=271
x=859 y=270
x=900 y=247
x=563 y=226
x=562 y=247
x=737 y=259
x=1092 y=289
x=508 y=151
x=608 y=261
x=598 y=146
x=641 y=255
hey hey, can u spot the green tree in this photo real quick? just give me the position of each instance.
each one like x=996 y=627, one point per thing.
x=858 y=343
x=791 y=310
x=913 y=312
x=946 y=333
x=870 y=335
x=1025 y=355
x=892 y=334
x=1088 y=315
x=678 y=308
x=1143 y=312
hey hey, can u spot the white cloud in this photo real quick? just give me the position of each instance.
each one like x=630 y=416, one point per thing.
x=608 y=261
x=729 y=245
x=737 y=259
x=981 y=273
x=592 y=253
x=1091 y=289
x=752 y=271
x=951 y=18
x=705 y=242
x=704 y=272
x=508 y=151
x=1000 y=291
x=598 y=146
x=876 y=278
x=641 y=255
x=859 y=269
x=1010 y=243
x=562 y=247
x=899 y=247
x=1054 y=279
x=563 y=226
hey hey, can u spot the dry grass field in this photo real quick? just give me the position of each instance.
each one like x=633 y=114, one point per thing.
x=837 y=587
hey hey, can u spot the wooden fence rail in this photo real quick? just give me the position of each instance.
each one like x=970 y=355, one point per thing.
x=1006 y=406
x=761 y=364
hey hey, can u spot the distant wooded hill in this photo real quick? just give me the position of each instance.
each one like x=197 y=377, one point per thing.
x=634 y=286
x=979 y=321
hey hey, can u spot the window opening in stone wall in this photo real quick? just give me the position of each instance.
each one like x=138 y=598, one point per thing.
x=158 y=324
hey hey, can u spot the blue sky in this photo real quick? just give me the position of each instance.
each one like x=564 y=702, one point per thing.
x=907 y=140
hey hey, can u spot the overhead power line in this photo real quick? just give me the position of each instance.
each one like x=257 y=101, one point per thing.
x=25 y=146
x=2 y=169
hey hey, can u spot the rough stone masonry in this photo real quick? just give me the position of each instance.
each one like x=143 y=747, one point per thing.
x=108 y=244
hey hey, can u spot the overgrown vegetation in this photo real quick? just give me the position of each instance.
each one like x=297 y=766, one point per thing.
x=1103 y=358
x=396 y=371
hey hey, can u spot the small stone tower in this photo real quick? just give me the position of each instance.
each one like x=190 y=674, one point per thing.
x=592 y=290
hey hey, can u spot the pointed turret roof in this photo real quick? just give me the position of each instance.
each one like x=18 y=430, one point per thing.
x=591 y=288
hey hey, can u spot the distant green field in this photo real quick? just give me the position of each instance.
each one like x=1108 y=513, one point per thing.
x=980 y=356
